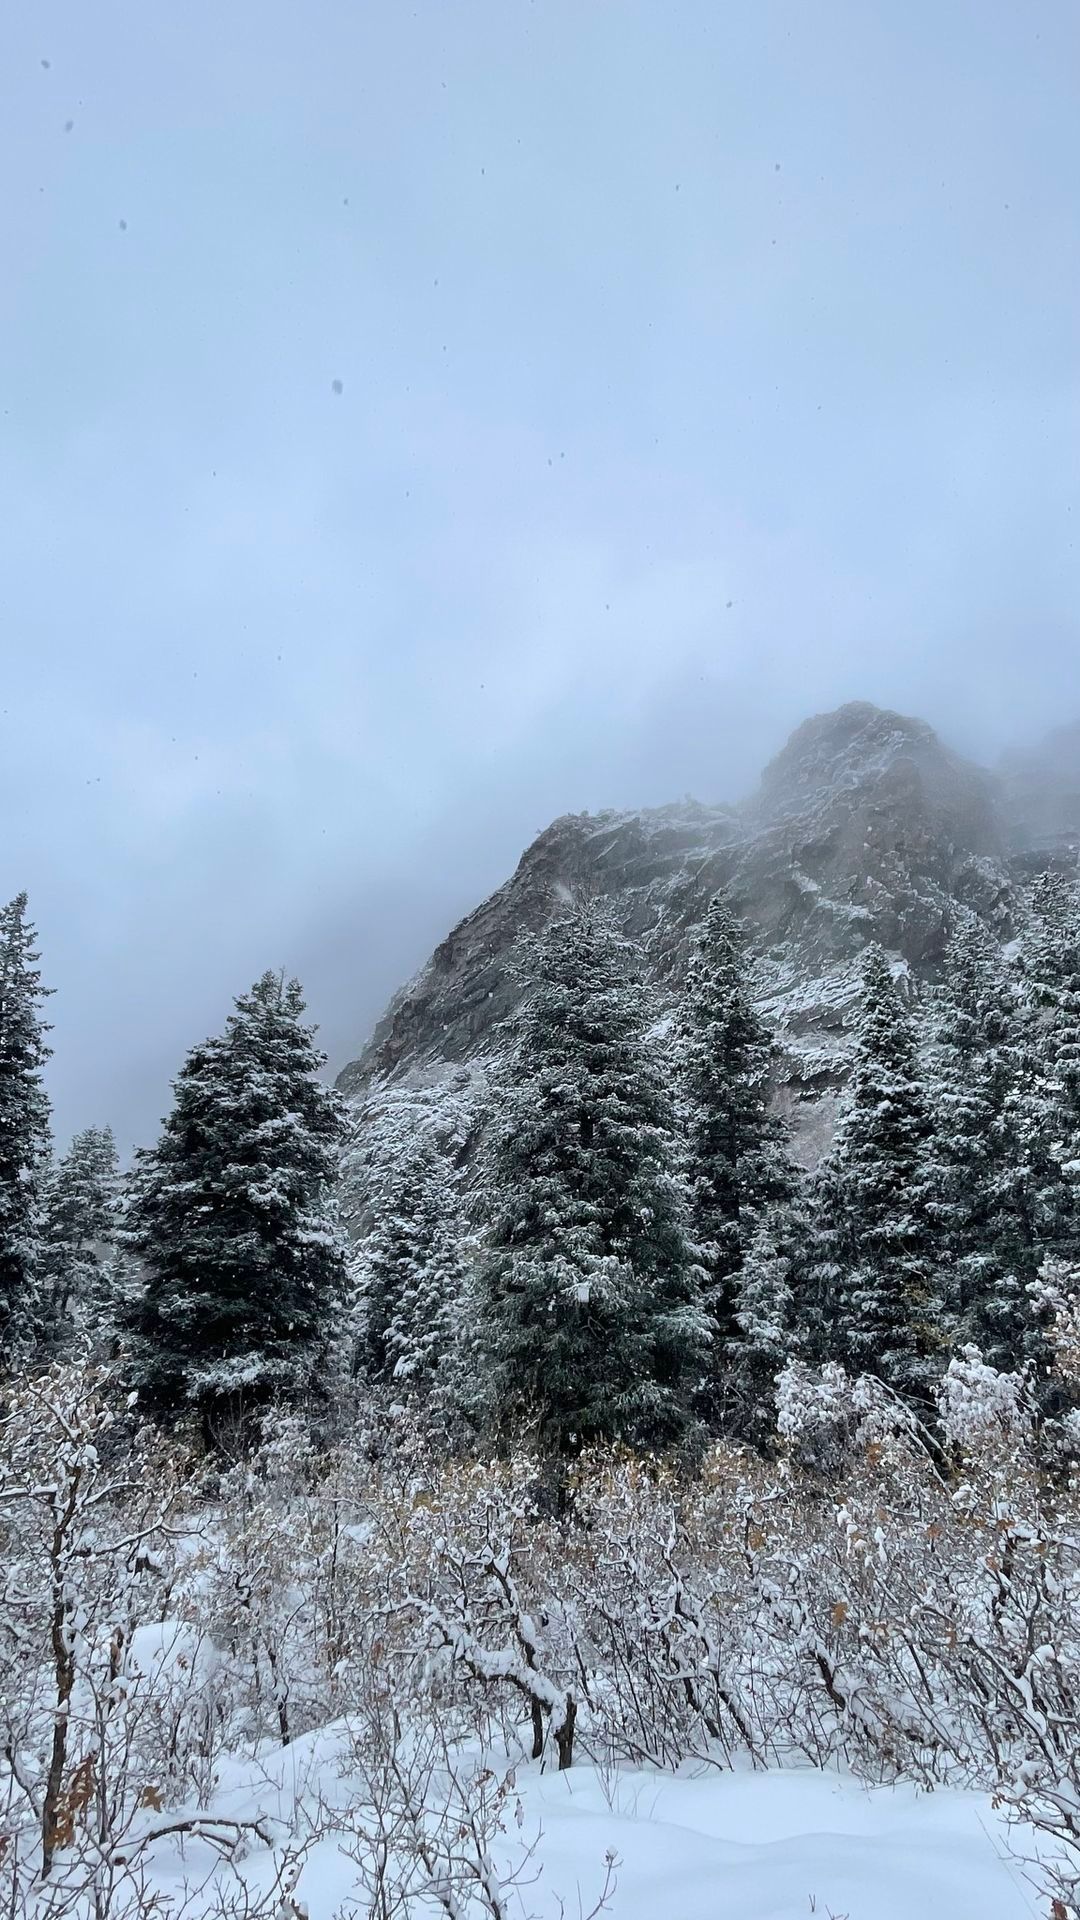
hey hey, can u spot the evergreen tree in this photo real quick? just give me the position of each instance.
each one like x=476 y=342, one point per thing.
x=737 y=1163
x=24 y=1129
x=79 y=1221
x=765 y=1338
x=242 y=1266
x=872 y=1251
x=587 y=1305
x=410 y=1275
x=1051 y=939
x=985 y=1233
x=1049 y=1103
x=824 y=1261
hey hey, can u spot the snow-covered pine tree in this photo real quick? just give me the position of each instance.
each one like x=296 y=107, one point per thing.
x=823 y=1262
x=737 y=1163
x=242 y=1266
x=78 y=1225
x=24 y=1129
x=1049 y=1103
x=973 y=1068
x=765 y=1338
x=871 y=1252
x=1051 y=937
x=1046 y=1104
x=587 y=1310
x=409 y=1273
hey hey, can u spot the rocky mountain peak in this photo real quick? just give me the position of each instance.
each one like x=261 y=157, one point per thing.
x=865 y=827
x=852 y=745
x=865 y=816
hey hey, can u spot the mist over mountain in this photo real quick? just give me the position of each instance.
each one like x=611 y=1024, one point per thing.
x=866 y=826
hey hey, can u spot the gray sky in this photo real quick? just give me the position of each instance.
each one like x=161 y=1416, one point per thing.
x=700 y=365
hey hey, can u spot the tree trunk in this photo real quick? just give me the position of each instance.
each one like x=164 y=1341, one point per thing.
x=64 y=1669
x=564 y=1735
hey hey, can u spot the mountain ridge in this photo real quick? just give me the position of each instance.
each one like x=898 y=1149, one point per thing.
x=864 y=826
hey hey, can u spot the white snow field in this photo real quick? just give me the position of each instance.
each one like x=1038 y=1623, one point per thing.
x=719 y=1846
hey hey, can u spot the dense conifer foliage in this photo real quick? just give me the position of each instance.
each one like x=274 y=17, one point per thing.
x=872 y=1268
x=410 y=1276
x=78 y=1228
x=588 y=1301
x=767 y=1334
x=626 y=1181
x=736 y=1165
x=977 y=1066
x=617 y=1246
x=24 y=1130
x=242 y=1268
x=1049 y=1106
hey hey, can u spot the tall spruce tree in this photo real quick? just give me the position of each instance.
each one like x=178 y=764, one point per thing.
x=587 y=1312
x=1049 y=1105
x=738 y=1167
x=24 y=1130
x=766 y=1335
x=410 y=1276
x=979 y=1198
x=871 y=1253
x=78 y=1227
x=1051 y=938
x=242 y=1267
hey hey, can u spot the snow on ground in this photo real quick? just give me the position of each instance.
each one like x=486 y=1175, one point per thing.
x=718 y=1846
x=780 y=1846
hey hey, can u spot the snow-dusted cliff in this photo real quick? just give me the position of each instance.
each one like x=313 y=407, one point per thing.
x=864 y=826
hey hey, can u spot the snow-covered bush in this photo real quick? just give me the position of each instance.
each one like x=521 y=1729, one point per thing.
x=85 y=1512
x=901 y=1602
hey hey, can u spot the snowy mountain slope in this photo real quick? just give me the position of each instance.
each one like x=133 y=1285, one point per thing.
x=864 y=827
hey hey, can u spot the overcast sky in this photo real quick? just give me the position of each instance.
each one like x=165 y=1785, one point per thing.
x=420 y=420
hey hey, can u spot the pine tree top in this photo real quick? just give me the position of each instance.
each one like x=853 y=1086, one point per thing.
x=21 y=991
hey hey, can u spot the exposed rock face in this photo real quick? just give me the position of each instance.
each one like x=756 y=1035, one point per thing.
x=639 y=859
x=864 y=827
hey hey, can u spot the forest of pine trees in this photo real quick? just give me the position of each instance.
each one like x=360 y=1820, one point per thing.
x=624 y=1248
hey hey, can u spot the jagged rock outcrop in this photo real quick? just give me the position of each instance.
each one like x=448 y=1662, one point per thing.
x=864 y=827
